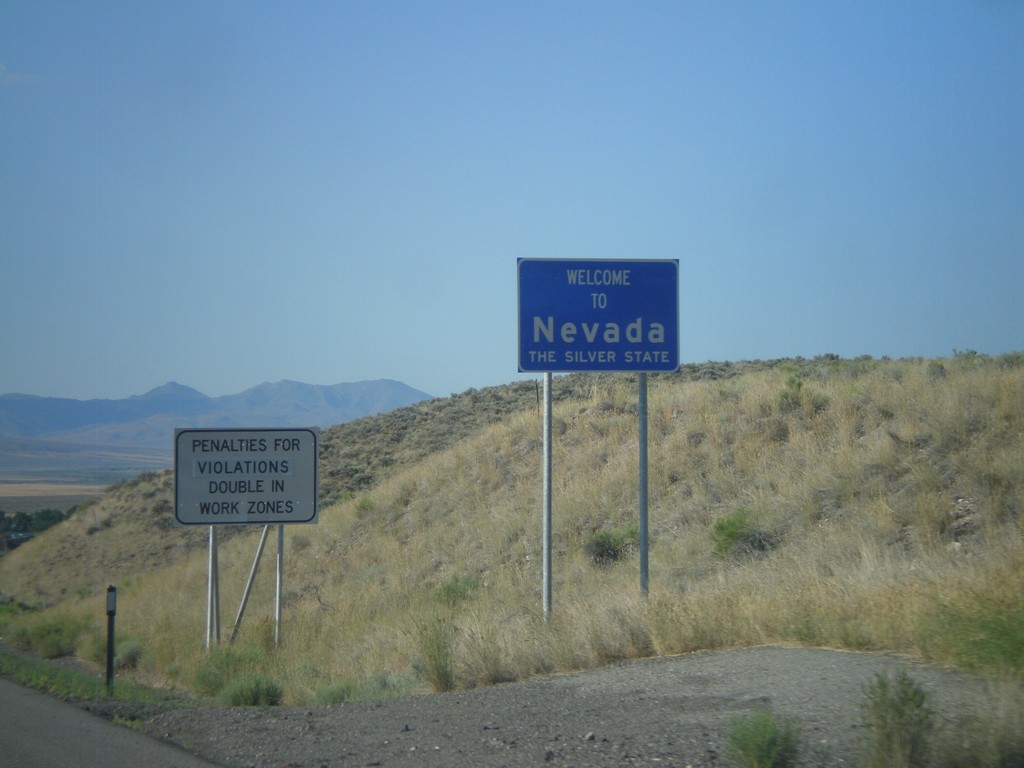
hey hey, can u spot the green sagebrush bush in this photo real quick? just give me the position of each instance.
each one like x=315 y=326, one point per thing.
x=52 y=637
x=898 y=721
x=458 y=589
x=764 y=740
x=222 y=665
x=251 y=691
x=336 y=693
x=736 y=534
x=607 y=547
x=435 y=641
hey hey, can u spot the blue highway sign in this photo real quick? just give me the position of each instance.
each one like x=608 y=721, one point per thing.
x=598 y=315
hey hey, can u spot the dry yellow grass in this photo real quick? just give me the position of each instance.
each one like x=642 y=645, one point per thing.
x=884 y=499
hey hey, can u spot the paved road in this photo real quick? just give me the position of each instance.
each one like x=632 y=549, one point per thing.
x=39 y=731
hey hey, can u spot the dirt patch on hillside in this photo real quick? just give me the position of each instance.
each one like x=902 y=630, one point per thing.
x=666 y=712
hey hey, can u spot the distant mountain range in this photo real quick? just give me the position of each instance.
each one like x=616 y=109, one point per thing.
x=63 y=439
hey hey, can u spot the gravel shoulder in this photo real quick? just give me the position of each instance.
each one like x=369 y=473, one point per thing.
x=667 y=711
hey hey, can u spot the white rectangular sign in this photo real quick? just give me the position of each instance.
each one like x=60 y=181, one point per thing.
x=239 y=476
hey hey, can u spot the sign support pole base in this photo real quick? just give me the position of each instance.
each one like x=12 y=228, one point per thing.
x=213 y=593
x=546 y=525
x=280 y=585
x=642 y=429
x=248 y=584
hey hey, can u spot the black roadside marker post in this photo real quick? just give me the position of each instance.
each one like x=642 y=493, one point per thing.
x=111 y=611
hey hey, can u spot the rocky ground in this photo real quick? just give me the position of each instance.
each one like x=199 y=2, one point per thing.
x=658 y=712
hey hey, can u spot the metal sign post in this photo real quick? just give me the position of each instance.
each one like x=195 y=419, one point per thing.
x=280 y=585
x=546 y=482
x=213 y=593
x=642 y=430
x=598 y=315
x=249 y=583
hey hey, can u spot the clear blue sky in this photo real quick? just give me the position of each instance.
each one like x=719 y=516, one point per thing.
x=226 y=193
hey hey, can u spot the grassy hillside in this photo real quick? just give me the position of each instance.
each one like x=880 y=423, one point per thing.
x=130 y=528
x=867 y=504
